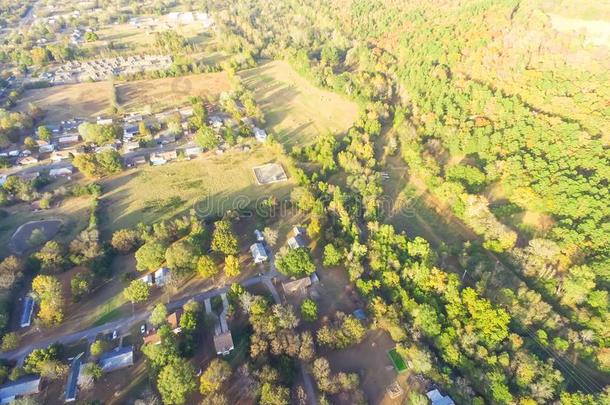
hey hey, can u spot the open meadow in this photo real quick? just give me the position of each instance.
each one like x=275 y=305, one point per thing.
x=89 y=100
x=82 y=100
x=295 y=110
x=209 y=184
x=158 y=94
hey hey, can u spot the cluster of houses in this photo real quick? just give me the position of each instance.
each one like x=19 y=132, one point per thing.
x=104 y=69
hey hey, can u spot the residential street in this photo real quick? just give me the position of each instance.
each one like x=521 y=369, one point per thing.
x=127 y=323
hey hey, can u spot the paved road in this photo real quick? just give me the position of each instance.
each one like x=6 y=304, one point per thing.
x=131 y=321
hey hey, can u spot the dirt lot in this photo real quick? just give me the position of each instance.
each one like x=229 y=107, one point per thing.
x=158 y=94
x=82 y=100
x=370 y=360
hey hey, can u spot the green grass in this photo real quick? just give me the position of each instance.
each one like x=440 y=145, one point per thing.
x=74 y=212
x=397 y=361
x=209 y=185
x=110 y=311
x=241 y=341
x=295 y=110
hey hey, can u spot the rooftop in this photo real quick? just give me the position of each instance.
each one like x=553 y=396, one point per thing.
x=118 y=358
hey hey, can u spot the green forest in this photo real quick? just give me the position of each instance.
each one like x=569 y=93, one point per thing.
x=477 y=98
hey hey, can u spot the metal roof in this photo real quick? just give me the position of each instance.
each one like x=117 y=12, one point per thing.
x=118 y=358
x=24 y=386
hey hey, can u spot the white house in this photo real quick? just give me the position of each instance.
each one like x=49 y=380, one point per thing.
x=62 y=171
x=131 y=146
x=104 y=121
x=46 y=148
x=258 y=252
x=436 y=398
x=162 y=276
x=259 y=134
x=148 y=279
x=58 y=156
x=194 y=151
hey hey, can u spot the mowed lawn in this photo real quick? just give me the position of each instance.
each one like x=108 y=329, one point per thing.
x=74 y=212
x=295 y=110
x=209 y=184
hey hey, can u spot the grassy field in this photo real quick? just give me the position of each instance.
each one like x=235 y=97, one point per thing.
x=154 y=95
x=89 y=100
x=295 y=110
x=397 y=360
x=82 y=100
x=209 y=184
x=74 y=212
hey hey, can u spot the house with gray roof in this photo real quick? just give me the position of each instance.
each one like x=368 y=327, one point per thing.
x=22 y=387
x=116 y=359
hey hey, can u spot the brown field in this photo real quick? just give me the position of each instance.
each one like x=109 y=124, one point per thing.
x=88 y=100
x=158 y=94
x=82 y=100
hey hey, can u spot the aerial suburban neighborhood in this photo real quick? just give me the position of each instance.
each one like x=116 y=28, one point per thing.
x=352 y=202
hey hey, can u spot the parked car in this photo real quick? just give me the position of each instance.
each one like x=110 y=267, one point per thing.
x=143 y=329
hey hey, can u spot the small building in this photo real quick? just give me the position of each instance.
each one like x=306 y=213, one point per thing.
x=224 y=343
x=294 y=286
x=259 y=254
x=153 y=338
x=215 y=121
x=436 y=398
x=60 y=155
x=22 y=387
x=135 y=161
x=130 y=146
x=48 y=148
x=174 y=320
x=161 y=158
x=130 y=130
x=259 y=236
x=68 y=140
x=27 y=160
x=162 y=276
x=28 y=310
x=148 y=279
x=165 y=139
x=61 y=171
x=116 y=359
x=296 y=241
x=72 y=384
x=194 y=151
x=259 y=134
x=104 y=121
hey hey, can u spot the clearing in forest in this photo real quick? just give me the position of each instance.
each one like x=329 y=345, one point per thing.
x=295 y=110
